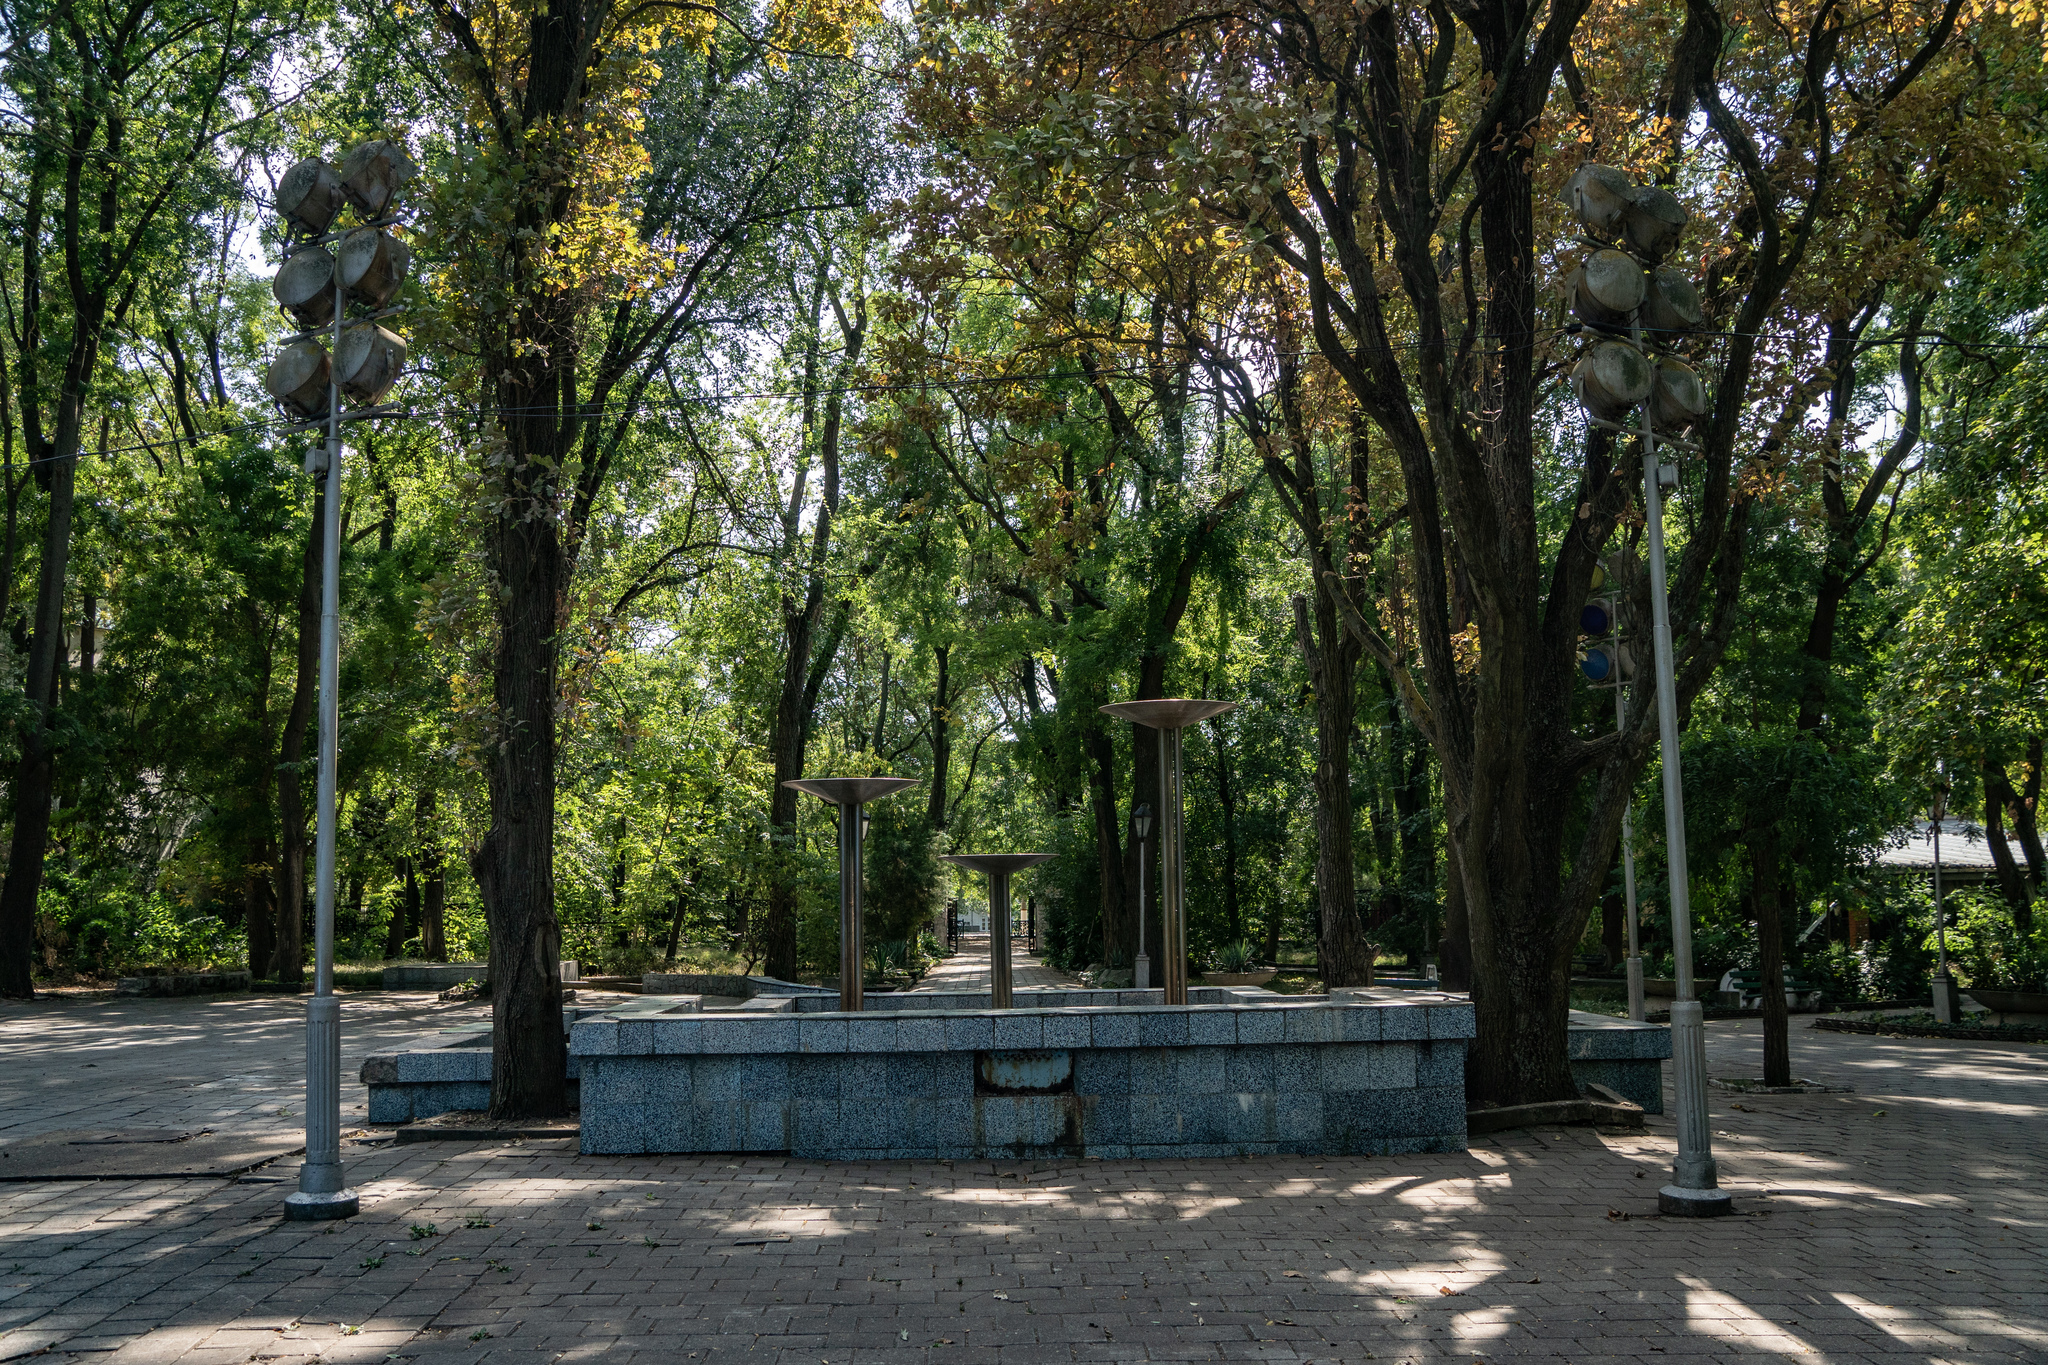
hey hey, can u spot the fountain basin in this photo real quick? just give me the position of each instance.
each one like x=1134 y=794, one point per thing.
x=1307 y=1077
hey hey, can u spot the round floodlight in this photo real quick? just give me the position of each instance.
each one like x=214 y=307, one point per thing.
x=298 y=378
x=1597 y=617
x=1654 y=221
x=1606 y=289
x=1599 y=197
x=372 y=174
x=304 y=287
x=1611 y=379
x=373 y=266
x=309 y=196
x=1681 y=399
x=368 y=362
x=1671 y=306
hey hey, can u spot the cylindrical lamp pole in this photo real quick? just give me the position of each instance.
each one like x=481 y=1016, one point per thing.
x=1634 y=961
x=323 y=1181
x=850 y=960
x=1141 y=970
x=1173 y=924
x=999 y=978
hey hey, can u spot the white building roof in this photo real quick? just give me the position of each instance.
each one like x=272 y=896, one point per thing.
x=1964 y=846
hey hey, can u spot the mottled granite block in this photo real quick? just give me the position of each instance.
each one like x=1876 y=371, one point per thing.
x=1261 y=1026
x=1248 y=1068
x=945 y=1125
x=975 y=1033
x=718 y=1127
x=1296 y=1067
x=1114 y=1030
x=1368 y=1066
x=815 y=1078
x=636 y=1037
x=821 y=1035
x=864 y=1127
x=770 y=1126
x=1019 y=1032
x=716 y=1079
x=668 y=1128
x=774 y=1033
x=1298 y=1118
x=1641 y=1080
x=1312 y=1024
x=677 y=1035
x=920 y=1033
x=767 y=1077
x=1102 y=1073
x=1404 y=1022
x=871 y=1035
x=1211 y=1026
x=1440 y=1063
x=1357 y=1024
x=1154 y=1071
x=1164 y=1026
x=869 y=1076
x=1205 y=1119
x=1067 y=1031
x=1105 y=1119
x=594 y=1037
x=1453 y=1021
x=1199 y=1070
x=1047 y=1123
x=995 y=1121
x=1155 y=1120
x=1250 y=1117
x=444 y=1064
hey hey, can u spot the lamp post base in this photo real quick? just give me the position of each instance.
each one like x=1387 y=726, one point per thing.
x=1675 y=1201
x=1141 y=973
x=301 y=1207
x=1948 y=1001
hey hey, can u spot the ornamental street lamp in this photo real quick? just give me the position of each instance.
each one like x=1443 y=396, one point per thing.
x=1637 y=309
x=998 y=866
x=1141 y=970
x=850 y=794
x=318 y=289
x=1169 y=716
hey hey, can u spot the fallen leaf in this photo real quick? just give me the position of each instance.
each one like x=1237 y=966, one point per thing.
x=1743 y=1107
x=1616 y=1215
x=1292 y=1274
x=1538 y=1279
x=1449 y=1292
x=1003 y=1296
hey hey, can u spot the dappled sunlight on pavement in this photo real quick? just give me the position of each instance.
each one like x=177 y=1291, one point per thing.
x=1901 y=1223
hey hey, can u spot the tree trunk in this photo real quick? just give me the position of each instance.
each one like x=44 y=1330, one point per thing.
x=1454 y=949
x=1765 y=889
x=35 y=775
x=942 y=739
x=1226 y=801
x=288 y=962
x=259 y=909
x=2018 y=885
x=433 y=925
x=1344 y=956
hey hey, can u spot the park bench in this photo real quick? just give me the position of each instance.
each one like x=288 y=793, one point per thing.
x=1741 y=989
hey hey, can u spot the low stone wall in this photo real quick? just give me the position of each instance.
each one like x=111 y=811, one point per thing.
x=727 y=984
x=1038 y=997
x=182 y=983
x=1107 y=1081
x=434 y=976
x=1626 y=1057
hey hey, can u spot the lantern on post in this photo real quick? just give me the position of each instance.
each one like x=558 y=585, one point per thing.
x=336 y=359
x=1630 y=371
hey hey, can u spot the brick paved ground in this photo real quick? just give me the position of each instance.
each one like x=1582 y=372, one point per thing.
x=968 y=969
x=1904 y=1223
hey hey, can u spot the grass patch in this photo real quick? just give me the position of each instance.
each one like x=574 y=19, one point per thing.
x=1594 y=1000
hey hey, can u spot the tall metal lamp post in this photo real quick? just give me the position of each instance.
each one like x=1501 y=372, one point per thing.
x=1141 y=825
x=1637 y=311
x=1948 y=1004
x=998 y=866
x=1169 y=716
x=850 y=794
x=310 y=381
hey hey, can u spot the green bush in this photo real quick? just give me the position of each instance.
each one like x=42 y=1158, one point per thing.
x=98 y=923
